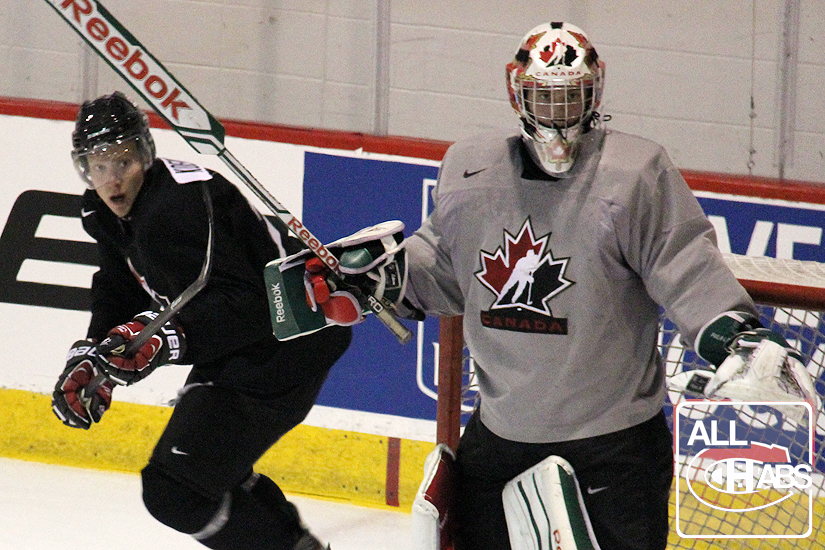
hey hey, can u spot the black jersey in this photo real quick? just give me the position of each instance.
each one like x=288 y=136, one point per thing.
x=148 y=258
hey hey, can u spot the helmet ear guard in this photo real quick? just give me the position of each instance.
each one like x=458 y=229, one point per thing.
x=555 y=84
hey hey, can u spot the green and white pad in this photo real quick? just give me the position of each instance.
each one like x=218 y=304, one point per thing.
x=544 y=509
x=372 y=258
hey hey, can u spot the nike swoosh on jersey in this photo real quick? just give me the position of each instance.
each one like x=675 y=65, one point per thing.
x=85 y=213
x=592 y=491
x=468 y=174
x=176 y=451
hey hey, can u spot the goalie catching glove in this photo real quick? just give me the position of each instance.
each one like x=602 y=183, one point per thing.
x=306 y=297
x=166 y=346
x=81 y=394
x=754 y=364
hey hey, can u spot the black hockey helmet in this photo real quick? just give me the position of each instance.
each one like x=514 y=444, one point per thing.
x=107 y=121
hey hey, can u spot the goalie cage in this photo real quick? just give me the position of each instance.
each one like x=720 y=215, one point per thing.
x=790 y=295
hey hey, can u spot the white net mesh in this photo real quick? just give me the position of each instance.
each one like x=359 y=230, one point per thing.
x=777 y=271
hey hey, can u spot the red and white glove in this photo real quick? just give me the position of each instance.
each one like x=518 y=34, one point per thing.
x=372 y=260
x=340 y=307
x=166 y=346
x=82 y=393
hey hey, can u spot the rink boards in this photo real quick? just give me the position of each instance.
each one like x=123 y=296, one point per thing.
x=379 y=401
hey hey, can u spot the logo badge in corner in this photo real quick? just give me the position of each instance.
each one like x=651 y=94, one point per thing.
x=735 y=477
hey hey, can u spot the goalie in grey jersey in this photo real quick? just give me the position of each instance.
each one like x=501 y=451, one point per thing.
x=558 y=242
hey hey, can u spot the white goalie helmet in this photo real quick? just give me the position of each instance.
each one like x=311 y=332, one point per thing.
x=555 y=85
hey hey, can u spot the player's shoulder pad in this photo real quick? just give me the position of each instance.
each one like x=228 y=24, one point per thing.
x=480 y=161
x=185 y=172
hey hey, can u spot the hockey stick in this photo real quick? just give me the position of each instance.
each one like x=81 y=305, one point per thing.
x=188 y=293
x=150 y=79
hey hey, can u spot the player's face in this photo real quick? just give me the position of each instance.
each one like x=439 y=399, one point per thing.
x=117 y=176
x=557 y=106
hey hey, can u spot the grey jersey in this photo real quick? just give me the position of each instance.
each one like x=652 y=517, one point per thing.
x=560 y=281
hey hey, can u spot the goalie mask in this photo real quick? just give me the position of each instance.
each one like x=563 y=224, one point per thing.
x=107 y=122
x=555 y=85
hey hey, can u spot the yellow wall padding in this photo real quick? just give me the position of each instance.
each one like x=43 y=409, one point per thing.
x=320 y=462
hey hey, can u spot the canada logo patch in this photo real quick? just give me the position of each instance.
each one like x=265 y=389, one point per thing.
x=524 y=277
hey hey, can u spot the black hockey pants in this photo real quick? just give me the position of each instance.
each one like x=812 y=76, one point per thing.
x=199 y=479
x=625 y=479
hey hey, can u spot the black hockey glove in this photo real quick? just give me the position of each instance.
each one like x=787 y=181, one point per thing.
x=166 y=346
x=82 y=394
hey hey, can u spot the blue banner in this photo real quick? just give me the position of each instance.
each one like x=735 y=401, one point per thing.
x=341 y=196
x=759 y=227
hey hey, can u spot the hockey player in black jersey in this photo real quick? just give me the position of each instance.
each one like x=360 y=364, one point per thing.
x=246 y=389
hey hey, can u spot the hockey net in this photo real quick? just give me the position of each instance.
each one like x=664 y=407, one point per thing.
x=790 y=295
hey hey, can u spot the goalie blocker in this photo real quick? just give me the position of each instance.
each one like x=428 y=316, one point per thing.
x=302 y=299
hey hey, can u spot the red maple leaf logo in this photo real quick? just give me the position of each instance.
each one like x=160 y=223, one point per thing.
x=496 y=268
x=523 y=273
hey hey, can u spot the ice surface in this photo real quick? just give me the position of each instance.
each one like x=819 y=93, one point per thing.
x=48 y=507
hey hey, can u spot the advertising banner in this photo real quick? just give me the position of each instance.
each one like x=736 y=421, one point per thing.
x=46 y=260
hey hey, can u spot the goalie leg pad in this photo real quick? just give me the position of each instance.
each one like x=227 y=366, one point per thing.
x=544 y=509
x=432 y=521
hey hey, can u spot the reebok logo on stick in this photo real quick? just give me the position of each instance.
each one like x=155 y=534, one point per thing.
x=119 y=48
x=314 y=244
